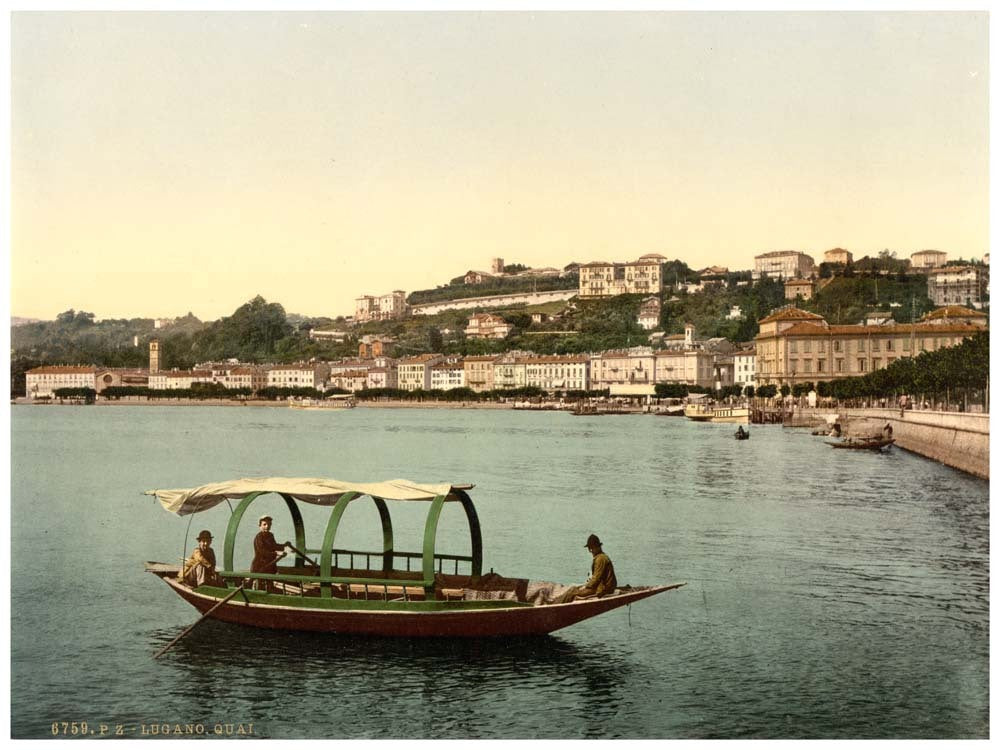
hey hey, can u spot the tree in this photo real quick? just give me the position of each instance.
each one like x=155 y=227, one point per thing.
x=435 y=341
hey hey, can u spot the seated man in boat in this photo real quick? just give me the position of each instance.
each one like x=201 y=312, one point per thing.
x=602 y=579
x=740 y=432
x=266 y=552
x=199 y=569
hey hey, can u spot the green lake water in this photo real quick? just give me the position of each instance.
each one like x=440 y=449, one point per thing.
x=831 y=594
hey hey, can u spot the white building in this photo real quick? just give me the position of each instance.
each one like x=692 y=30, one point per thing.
x=745 y=368
x=297 y=376
x=43 y=381
x=649 y=313
x=448 y=375
x=175 y=380
x=558 y=372
x=923 y=260
x=783 y=264
x=487 y=326
x=601 y=279
x=414 y=373
x=957 y=285
x=386 y=307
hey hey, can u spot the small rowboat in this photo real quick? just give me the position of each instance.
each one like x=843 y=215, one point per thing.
x=395 y=593
x=865 y=443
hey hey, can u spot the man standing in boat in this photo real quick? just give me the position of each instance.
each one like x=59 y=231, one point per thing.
x=602 y=579
x=199 y=569
x=266 y=552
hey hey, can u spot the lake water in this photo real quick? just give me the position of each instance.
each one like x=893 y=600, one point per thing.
x=831 y=594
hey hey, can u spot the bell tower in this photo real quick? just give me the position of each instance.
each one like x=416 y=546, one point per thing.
x=154 y=356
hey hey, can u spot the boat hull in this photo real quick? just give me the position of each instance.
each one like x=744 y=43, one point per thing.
x=719 y=414
x=443 y=623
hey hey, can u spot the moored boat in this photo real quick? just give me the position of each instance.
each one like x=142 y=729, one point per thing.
x=724 y=414
x=865 y=443
x=338 y=401
x=435 y=594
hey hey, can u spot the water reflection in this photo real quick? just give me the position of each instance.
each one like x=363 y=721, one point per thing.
x=586 y=683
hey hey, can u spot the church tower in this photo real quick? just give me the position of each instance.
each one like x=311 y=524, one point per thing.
x=154 y=356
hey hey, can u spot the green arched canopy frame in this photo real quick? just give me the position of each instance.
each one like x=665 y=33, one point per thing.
x=388 y=553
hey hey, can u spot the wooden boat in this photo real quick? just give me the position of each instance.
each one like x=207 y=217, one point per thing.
x=742 y=435
x=865 y=443
x=725 y=414
x=338 y=594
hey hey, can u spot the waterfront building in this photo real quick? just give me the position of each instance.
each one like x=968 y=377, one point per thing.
x=783 y=264
x=601 y=279
x=448 y=374
x=479 y=372
x=414 y=373
x=175 y=380
x=509 y=371
x=957 y=285
x=634 y=366
x=838 y=255
x=649 y=313
x=558 y=372
x=795 y=346
x=795 y=288
x=253 y=377
x=924 y=260
x=41 y=382
x=348 y=380
x=349 y=365
x=383 y=377
x=386 y=307
x=303 y=375
x=487 y=326
x=120 y=377
x=687 y=366
x=745 y=368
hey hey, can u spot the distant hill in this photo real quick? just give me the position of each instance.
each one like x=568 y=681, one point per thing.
x=16 y=321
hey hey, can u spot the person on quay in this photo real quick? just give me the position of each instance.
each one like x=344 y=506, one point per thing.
x=266 y=552
x=199 y=568
x=602 y=579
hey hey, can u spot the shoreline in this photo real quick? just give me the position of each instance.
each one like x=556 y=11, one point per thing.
x=281 y=404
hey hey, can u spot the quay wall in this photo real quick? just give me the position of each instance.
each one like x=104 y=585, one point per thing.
x=957 y=439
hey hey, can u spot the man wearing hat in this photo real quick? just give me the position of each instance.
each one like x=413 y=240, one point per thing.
x=266 y=551
x=602 y=579
x=199 y=569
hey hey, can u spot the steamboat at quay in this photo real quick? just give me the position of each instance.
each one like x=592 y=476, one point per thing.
x=423 y=593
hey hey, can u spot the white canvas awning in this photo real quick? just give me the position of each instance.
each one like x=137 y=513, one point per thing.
x=314 y=491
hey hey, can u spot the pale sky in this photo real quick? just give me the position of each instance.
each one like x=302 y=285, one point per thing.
x=165 y=162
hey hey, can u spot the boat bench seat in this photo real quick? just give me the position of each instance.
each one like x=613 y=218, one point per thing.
x=452 y=594
x=379 y=591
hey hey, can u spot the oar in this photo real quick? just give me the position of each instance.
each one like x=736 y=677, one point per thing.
x=303 y=555
x=191 y=627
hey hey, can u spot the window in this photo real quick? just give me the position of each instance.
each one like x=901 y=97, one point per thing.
x=861 y=364
x=888 y=345
x=793 y=347
x=836 y=346
x=874 y=345
x=822 y=347
x=807 y=346
x=821 y=365
x=861 y=345
x=876 y=363
x=906 y=345
x=807 y=365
